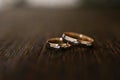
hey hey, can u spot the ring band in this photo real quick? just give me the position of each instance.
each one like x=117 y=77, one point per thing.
x=57 y=43
x=76 y=38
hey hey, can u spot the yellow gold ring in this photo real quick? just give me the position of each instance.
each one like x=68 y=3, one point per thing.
x=76 y=38
x=57 y=43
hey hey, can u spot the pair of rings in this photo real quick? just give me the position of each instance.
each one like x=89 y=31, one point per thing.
x=68 y=39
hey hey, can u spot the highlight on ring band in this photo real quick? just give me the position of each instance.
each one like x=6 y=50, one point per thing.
x=57 y=43
x=77 y=38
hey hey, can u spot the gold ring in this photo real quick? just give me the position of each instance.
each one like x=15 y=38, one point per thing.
x=57 y=43
x=76 y=38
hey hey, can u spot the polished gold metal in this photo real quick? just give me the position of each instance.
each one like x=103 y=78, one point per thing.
x=57 y=43
x=76 y=38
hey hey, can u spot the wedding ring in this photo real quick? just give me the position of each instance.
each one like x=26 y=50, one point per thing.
x=57 y=43
x=76 y=38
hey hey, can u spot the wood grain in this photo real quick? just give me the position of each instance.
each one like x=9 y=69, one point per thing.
x=23 y=55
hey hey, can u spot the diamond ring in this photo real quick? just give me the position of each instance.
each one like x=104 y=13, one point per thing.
x=76 y=38
x=57 y=43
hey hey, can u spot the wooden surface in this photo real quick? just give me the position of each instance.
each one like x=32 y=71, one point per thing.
x=23 y=55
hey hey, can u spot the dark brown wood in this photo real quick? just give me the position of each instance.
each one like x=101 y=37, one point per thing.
x=23 y=55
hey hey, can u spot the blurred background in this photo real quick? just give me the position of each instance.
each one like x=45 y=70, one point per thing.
x=4 y=4
x=58 y=15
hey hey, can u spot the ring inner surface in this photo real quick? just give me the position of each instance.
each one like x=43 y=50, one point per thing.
x=86 y=38
x=73 y=35
x=55 y=40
